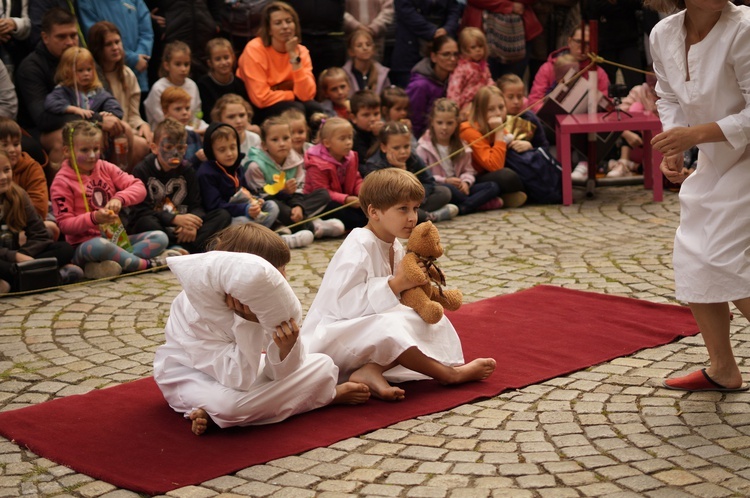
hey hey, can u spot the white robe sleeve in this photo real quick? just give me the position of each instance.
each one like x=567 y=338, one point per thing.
x=736 y=127
x=670 y=112
x=275 y=368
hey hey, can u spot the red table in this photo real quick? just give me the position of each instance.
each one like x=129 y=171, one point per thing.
x=647 y=123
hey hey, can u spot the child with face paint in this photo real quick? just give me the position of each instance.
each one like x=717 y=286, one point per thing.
x=173 y=197
x=88 y=192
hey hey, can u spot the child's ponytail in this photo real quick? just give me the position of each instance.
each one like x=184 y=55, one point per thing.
x=14 y=213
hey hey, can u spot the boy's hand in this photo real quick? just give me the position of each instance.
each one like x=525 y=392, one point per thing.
x=84 y=113
x=285 y=337
x=185 y=234
x=253 y=209
x=521 y=145
x=290 y=186
x=189 y=221
x=241 y=310
x=114 y=205
x=297 y=214
x=401 y=282
x=355 y=200
x=376 y=127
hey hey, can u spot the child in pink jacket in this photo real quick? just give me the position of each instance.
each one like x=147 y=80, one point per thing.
x=88 y=195
x=472 y=71
x=332 y=165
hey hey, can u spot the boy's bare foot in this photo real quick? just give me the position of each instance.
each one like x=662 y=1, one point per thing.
x=478 y=369
x=372 y=376
x=351 y=393
x=200 y=421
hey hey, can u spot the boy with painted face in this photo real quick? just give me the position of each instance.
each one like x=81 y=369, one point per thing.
x=173 y=197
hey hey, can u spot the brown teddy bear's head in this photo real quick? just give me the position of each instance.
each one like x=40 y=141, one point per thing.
x=425 y=241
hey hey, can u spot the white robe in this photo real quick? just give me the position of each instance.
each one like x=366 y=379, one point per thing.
x=712 y=243
x=214 y=360
x=356 y=319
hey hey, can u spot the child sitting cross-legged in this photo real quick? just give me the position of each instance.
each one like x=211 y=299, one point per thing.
x=356 y=317
x=173 y=196
x=223 y=186
x=394 y=151
x=442 y=148
x=216 y=368
x=276 y=171
x=88 y=193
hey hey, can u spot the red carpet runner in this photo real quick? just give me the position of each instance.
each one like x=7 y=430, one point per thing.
x=128 y=436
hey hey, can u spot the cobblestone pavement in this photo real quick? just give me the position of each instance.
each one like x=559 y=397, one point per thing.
x=604 y=431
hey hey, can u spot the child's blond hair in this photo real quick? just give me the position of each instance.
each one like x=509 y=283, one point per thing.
x=66 y=68
x=331 y=125
x=330 y=74
x=384 y=188
x=170 y=129
x=509 y=79
x=79 y=127
x=229 y=99
x=174 y=94
x=252 y=238
x=270 y=122
x=471 y=34
x=478 y=116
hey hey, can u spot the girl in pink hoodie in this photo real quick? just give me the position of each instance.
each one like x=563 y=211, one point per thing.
x=87 y=195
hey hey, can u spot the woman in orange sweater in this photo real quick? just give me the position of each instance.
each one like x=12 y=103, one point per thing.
x=488 y=153
x=276 y=69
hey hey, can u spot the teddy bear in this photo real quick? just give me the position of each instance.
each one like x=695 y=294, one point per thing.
x=427 y=300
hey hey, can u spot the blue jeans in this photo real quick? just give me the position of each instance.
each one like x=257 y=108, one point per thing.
x=269 y=207
x=479 y=194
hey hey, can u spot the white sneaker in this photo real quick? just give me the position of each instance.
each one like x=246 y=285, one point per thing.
x=617 y=169
x=328 y=228
x=447 y=212
x=581 y=172
x=302 y=238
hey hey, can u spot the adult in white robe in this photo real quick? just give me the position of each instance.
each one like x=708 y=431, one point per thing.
x=703 y=73
x=215 y=361
x=357 y=319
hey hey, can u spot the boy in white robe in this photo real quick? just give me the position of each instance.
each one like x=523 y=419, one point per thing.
x=356 y=317
x=212 y=367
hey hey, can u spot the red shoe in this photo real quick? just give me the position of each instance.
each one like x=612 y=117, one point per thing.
x=700 y=381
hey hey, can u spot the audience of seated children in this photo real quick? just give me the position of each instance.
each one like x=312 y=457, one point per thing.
x=364 y=71
x=394 y=151
x=472 y=71
x=441 y=149
x=173 y=196
x=175 y=104
x=89 y=192
x=19 y=215
x=27 y=173
x=356 y=317
x=105 y=44
x=333 y=92
x=276 y=171
x=300 y=130
x=488 y=153
x=237 y=112
x=365 y=117
x=217 y=369
x=223 y=186
x=220 y=79
x=175 y=71
x=333 y=165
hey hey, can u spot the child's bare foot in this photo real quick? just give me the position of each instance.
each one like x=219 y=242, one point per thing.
x=372 y=376
x=478 y=369
x=200 y=421
x=351 y=393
